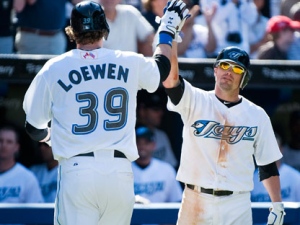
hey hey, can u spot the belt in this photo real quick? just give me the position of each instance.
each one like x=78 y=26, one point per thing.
x=39 y=32
x=117 y=154
x=209 y=191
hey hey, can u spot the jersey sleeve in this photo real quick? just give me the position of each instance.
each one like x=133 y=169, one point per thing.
x=187 y=102
x=37 y=102
x=149 y=76
x=266 y=147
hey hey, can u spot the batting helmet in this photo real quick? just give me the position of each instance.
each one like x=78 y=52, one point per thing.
x=238 y=56
x=88 y=16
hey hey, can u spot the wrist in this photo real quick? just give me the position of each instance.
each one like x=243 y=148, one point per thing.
x=278 y=206
x=165 y=38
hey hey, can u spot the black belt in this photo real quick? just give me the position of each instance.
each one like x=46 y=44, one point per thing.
x=39 y=32
x=117 y=154
x=210 y=191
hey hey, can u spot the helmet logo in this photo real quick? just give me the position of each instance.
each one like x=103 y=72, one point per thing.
x=234 y=55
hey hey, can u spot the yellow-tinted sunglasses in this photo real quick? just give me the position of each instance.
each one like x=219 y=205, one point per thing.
x=235 y=68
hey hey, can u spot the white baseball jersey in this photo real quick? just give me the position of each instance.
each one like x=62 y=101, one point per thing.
x=19 y=185
x=219 y=142
x=289 y=184
x=90 y=98
x=157 y=182
x=47 y=180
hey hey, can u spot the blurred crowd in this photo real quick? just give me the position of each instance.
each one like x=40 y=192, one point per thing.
x=265 y=29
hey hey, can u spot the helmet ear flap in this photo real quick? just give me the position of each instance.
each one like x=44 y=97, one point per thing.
x=245 y=80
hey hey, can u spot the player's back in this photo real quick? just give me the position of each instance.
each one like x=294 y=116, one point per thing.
x=93 y=99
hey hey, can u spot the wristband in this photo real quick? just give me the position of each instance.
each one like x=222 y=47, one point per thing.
x=165 y=38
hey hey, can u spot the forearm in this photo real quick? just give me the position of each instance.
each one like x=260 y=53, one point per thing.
x=173 y=78
x=212 y=43
x=272 y=185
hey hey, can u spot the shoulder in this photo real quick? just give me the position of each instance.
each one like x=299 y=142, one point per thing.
x=253 y=106
x=26 y=173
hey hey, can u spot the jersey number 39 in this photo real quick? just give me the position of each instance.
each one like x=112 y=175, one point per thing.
x=115 y=105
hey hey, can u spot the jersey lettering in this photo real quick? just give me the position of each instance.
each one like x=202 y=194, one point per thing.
x=109 y=71
x=90 y=111
x=148 y=188
x=232 y=134
x=9 y=192
x=115 y=105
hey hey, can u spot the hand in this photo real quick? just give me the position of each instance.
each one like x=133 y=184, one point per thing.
x=276 y=214
x=175 y=15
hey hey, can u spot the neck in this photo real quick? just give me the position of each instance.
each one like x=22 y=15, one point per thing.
x=228 y=96
x=143 y=162
x=6 y=165
x=90 y=46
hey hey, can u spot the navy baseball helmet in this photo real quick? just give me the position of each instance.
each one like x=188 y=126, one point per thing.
x=88 y=16
x=238 y=56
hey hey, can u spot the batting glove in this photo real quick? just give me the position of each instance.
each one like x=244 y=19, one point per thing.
x=276 y=214
x=177 y=37
x=175 y=13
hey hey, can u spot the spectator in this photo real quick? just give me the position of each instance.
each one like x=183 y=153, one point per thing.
x=286 y=6
x=294 y=52
x=232 y=22
x=153 y=9
x=150 y=112
x=281 y=30
x=274 y=6
x=199 y=41
x=289 y=181
x=46 y=173
x=6 y=24
x=17 y=183
x=38 y=30
x=291 y=151
x=154 y=179
x=136 y=3
x=257 y=32
x=129 y=30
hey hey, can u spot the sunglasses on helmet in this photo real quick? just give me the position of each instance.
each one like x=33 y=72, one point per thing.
x=235 y=68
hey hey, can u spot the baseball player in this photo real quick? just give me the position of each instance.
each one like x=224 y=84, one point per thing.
x=89 y=95
x=221 y=134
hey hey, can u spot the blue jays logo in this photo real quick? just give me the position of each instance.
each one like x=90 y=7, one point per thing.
x=232 y=134
x=234 y=55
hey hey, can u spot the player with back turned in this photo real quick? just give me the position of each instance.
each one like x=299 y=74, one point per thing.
x=221 y=134
x=89 y=95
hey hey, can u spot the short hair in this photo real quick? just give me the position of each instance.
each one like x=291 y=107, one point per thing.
x=13 y=129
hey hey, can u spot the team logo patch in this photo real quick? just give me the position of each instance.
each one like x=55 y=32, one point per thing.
x=234 y=55
x=88 y=55
x=231 y=134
